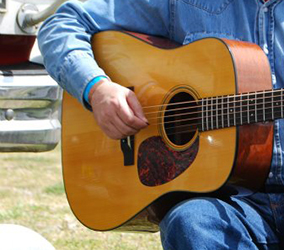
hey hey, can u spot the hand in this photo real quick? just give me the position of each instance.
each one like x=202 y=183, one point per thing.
x=116 y=109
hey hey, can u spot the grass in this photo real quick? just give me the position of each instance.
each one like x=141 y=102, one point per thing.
x=32 y=195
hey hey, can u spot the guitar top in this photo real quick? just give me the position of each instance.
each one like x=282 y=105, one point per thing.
x=211 y=109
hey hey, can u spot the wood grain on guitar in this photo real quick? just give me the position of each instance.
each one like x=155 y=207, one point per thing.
x=210 y=109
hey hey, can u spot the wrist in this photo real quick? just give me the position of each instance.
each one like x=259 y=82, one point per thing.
x=89 y=88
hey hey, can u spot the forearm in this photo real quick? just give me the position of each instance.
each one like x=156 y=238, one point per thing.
x=64 y=39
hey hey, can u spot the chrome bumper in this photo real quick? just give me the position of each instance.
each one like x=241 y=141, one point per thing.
x=30 y=112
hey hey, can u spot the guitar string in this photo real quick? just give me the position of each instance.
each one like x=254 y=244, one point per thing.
x=230 y=124
x=226 y=96
x=215 y=116
x=215 y=110
x=195 y=129
x=216 y=103
x=211 y=110
x=262 y=93
x=219 y=98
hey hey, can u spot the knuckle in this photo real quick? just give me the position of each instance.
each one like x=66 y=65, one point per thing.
x=114 y=103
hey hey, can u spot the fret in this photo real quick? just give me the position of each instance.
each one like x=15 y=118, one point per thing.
x=251 y=108
x=231 y=110
x=228 y=111
x=272 y=105
x=202 y=114
x=268 y=105
x=225 y=111
x=277 y=105
x=244 y=109
x=238 y=114
x=248 y=109
x=259 y=106
x=212 y=113
x=281 y=102
x=241 y=108
x=222 y=110
x=217 y=111
x=207 y=115
x=235 y=120
x=263 y=108
x=198 y=115
x=255 y=106
x=209 y=108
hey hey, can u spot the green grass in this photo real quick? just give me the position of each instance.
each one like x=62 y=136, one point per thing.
x=32 y=195
x=56 y=189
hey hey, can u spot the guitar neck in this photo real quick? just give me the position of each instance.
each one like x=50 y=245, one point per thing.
x=234 y=110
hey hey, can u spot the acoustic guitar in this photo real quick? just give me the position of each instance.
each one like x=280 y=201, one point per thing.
x=211 y=109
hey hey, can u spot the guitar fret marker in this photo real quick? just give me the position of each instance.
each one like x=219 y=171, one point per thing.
x=228 y=113
x=234 y=110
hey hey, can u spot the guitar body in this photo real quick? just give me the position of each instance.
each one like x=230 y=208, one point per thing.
x=109 y=187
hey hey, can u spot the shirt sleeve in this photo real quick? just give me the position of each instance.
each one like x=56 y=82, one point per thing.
x=64 y=38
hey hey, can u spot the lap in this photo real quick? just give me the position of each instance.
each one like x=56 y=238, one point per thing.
x=232 y=223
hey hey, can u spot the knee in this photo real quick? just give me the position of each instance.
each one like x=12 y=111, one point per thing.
x=196 y=211
x=187 y=221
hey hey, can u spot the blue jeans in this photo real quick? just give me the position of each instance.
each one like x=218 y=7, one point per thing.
x=235 y=223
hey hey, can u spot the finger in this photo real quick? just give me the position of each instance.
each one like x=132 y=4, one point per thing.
x=125 y=129
x=126 y=114
x=104 y=121
x=112 y=132
x=135 y=106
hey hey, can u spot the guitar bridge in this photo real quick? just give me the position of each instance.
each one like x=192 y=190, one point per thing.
x=127 y=148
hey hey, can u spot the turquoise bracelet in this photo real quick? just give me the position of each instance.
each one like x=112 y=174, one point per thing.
x=90 y=85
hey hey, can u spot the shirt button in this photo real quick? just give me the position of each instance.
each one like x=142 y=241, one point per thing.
x=265 y=49
x=265 y=9
x=270 y=175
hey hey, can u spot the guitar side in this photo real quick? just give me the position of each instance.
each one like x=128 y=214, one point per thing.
x=102 y=191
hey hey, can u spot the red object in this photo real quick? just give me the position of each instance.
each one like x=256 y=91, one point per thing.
x=15 y=48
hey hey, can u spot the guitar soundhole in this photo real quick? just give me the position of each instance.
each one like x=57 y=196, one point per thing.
x=181 y=119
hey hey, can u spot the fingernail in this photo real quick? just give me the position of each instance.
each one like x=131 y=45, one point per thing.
x=145 y=120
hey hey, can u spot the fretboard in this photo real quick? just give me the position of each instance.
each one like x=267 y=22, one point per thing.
x=233 y=110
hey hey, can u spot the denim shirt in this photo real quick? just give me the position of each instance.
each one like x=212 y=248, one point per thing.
x=64 y=39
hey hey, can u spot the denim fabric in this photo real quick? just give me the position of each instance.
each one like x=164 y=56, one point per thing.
x=208 y=223
x=64 y=40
